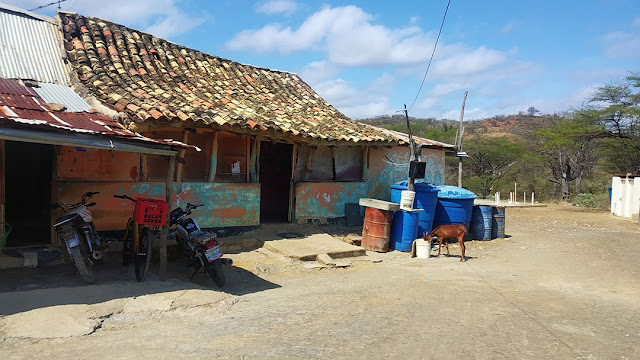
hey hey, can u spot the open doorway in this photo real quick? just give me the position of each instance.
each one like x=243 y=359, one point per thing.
x=275 y=180
x=28 y=171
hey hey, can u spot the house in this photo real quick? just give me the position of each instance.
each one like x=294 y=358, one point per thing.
x=40 y=116
x=272 y=149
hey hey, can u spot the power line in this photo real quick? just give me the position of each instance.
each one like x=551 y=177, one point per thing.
x=49 y=4
x=434 y=51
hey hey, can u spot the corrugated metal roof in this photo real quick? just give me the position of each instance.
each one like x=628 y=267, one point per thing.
x=15 y=114
x=60 y=94
x=30 y=47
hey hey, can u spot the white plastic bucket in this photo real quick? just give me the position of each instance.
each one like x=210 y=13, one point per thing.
x=406 y=199
x=423 y=249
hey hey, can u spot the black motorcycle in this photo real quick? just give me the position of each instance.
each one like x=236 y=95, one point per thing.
x=76 y=231
x=201 y=248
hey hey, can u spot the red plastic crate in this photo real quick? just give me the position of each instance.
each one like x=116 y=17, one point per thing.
x=151 y=212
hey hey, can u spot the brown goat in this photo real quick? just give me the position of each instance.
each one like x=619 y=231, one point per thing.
x=445 y=232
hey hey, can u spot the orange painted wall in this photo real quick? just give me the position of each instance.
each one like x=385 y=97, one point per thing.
x=225 y=204
x=96 y=165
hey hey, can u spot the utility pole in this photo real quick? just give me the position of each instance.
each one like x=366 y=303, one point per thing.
x=459 y=143
x=412 y=147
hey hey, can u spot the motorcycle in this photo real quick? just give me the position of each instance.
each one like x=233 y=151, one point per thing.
x=76 y=231
x=201 y=248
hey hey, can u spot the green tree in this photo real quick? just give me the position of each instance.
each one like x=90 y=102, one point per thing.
x=490 y=159
x=569 y=145
x=617 y=109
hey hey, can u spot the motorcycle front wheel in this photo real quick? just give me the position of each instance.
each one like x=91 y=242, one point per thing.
x=214 y=269
x=82 y=264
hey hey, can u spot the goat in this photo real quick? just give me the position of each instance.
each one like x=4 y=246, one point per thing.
x=445 y=232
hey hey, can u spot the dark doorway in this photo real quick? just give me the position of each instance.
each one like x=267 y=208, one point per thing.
x=275 y=180
x=28 y=170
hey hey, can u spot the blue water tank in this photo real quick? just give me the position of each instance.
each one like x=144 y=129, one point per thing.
x=455 y=206
x=426 y=199
x=481 y=219
x=404 y=230
x=497 y=225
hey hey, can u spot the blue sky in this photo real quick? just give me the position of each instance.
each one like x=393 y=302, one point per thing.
x=368 y=58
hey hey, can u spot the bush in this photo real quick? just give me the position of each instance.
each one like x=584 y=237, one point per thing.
x=586 y=200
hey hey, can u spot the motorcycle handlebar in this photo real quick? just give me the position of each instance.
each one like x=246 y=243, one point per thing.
x=125 y=197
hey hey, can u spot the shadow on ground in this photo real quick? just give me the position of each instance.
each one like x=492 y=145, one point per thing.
x=23 y=289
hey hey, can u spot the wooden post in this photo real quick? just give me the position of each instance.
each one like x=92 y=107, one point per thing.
x=248 y=159
x=254 y=156
x=365 y=162
x=213 y=165
x=459 y=141
x=292 y=190
x=412 y=149
x=165 y=228
x=185 y=137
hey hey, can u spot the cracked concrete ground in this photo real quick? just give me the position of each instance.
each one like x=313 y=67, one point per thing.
x=564 y=285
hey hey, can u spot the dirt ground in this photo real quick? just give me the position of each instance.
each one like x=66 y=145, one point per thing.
x=564 y=284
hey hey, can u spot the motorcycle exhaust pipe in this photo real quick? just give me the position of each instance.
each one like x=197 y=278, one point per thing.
x=226 y=261
x=98 y=254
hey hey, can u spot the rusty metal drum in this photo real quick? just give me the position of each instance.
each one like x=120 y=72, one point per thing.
x=376 y=229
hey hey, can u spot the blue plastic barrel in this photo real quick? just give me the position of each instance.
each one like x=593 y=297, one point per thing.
x=426 y=199
x=455 y=206
x=404 y=230
x=497 y=224
x=481 y=219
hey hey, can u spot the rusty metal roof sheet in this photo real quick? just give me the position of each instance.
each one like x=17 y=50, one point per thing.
x=31 y=47
x=21 y=108
x=153 y=79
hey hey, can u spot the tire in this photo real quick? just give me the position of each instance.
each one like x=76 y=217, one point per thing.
x=80 y=261
x=143 y=257
x=127 y=244
x=214 y=269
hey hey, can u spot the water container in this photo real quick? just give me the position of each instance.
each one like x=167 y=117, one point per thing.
x=454 y=206
x=376 y=229
x=481 y=219
x=497 y=225
x=425 y=198
x=404 y=229
x=407 y=199
x=423 y=248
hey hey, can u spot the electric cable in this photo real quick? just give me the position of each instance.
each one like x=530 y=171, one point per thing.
x=432 y=53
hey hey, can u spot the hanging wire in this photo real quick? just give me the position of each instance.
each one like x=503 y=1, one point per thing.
x=49 y=4
x=432 y=53
x=72 y=5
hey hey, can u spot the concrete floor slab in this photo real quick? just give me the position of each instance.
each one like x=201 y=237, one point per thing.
x=307 y=248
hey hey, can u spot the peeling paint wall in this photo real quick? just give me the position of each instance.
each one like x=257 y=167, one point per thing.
x=224 y=204
x=386 y=166
x=326 y=199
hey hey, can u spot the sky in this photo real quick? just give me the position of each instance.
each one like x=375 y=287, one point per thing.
x=368 y=58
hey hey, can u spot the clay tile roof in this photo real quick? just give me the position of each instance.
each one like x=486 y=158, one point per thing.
x=152 y=79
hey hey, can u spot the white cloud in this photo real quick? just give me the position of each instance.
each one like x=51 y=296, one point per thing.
x=346 y=34
x=623 y=45
x=287 y=7
x=507 y=27
x=162 y=18
x=358 y=102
